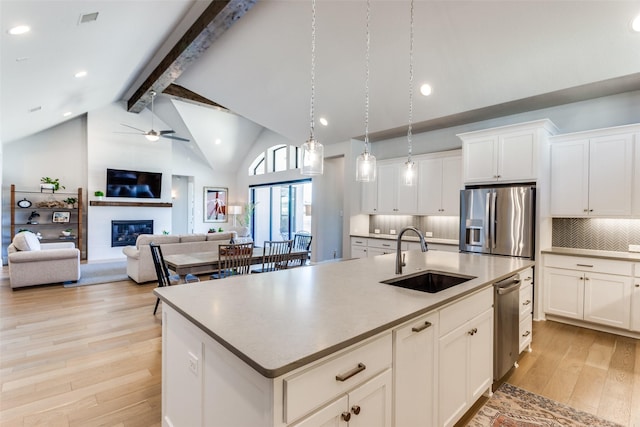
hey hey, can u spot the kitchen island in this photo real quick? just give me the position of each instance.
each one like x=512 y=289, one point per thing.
x=246 y=350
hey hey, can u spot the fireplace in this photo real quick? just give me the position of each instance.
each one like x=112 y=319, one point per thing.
x=125 y=233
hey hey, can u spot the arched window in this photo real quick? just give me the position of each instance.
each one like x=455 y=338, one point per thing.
x=276 y=158
x=258 y=165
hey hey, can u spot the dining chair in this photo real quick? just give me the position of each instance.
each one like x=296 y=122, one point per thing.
x=275 y=256
x=234 y=259
x=301 y=241
x=162 y=272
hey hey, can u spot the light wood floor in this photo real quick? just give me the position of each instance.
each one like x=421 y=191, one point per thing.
x=90 y=356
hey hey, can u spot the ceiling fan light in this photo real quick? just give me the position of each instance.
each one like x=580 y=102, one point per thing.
x=152 y=136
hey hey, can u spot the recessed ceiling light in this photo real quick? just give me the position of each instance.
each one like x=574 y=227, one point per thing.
x=34 y=109
x=67 y=114
x=218 y=141
x=323 y=121
x=22 y=58
x=635 y=24
x=425 y=89
x=88 y=17
x=80 y=74
x=20 y=29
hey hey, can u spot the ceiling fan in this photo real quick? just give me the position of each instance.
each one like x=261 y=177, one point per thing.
x=153 y=135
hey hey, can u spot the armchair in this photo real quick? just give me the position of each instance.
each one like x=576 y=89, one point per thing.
x=35 y=263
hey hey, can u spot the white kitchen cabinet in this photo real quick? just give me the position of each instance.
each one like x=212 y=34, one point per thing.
x=504 y=154
x=361 y=247
x=439 y=184
x=635 y=300
x=367 y=405
x=591 y=174
x=590 y=289
x=465 y=355
x=393 y=196
x=635 y=208
x=358 y=247
x=369 y=197
x=415 y=361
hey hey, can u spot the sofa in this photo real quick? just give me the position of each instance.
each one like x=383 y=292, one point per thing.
x=34 y=263
x=140 y=266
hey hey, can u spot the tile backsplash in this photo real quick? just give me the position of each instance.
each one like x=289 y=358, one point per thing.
x=604 y=234
x=442 y=227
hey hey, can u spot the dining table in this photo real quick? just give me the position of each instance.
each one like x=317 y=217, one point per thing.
x=208 y=262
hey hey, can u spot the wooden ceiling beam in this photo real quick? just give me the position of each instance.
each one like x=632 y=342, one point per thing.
x=180 y=92
x=218 y=17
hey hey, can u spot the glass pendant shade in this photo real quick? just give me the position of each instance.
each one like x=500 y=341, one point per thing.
x=366 y=167
x=409 y=173
x=312 y=158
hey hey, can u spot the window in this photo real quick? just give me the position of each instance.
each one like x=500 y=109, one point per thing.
x=257 y=166
x=277 y=158
x=280 y=210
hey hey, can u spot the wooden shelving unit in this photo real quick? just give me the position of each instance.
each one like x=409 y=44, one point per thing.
x=51 y=231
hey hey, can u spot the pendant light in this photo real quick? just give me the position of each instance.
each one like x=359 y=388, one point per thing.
x=409 y=174
x=366 y=162
x=312 y=150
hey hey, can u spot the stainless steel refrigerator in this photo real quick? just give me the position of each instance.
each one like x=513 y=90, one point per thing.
x=498 y=221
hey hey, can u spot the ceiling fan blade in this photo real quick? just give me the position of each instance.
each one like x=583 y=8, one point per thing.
x=164 y=132
x=177 y=138
x=128 y=133
x=143 y=131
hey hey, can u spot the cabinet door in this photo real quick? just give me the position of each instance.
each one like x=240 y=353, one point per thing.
x=610 y=171
x=369 y=197
x=451 y=185
x=480 y=159
x=570 y=178
x=517 y=154
x=636 y=178
x=453 y=375
x=406 y=195
x=564 y=290
x=430 y=176
x=480 y=356
x=370 y=404
x=415 y=372
x=332 y=415
x=607 y=299
x=358 y=251
x=387 y=183
x=635 y=302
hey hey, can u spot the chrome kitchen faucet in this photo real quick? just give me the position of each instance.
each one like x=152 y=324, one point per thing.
x=423 y=246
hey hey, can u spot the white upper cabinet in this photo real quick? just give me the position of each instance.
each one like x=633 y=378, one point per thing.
x=393 y=196
x=635 y=208
x=504 y=154
x=439 y=184
x=369 y=197
x=592 y=174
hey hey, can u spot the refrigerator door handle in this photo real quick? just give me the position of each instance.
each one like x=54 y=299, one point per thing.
x=492 y=219
x=487 y=222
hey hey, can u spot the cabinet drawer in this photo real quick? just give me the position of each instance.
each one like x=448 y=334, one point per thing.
x=464 y=310
x=359 y=241
x=526 y=331
x=526 y=277
x=317 y=385
x=526 y=300
x=599 y=265
x=387 y=245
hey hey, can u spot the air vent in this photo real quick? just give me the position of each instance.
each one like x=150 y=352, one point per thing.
x=34 y=109
x=88 y=17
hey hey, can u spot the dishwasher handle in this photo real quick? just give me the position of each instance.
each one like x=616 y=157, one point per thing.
x=507 y=286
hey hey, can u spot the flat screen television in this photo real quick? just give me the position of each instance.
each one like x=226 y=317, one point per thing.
x=135 y=184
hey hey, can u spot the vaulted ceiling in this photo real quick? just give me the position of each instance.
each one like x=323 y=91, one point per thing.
x=482 y=58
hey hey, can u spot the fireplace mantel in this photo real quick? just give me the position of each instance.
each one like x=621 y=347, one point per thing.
x=131 y=204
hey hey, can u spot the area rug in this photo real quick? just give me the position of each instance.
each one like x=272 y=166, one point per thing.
x=511 y=406
x=100 y=272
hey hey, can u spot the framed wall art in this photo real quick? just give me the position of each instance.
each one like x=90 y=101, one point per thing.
x=215 y=204
x=61 y=216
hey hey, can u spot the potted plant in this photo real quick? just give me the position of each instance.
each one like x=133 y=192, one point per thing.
x=70 y=201
x=67 y=232
x=99 y=194
x=47 y=183
x=245 y=218
x=212 y=230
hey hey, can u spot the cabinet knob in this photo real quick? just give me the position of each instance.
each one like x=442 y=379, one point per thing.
x=526 y=334
x=527 y=302
x=637 y=285
x=585 y=210
x=355 y=409
x=473 y=331
x=590 y=210
x=346 y=416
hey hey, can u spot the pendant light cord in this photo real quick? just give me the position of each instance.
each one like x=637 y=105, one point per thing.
x=410 y=82
x=313 y=67
x=366 y=84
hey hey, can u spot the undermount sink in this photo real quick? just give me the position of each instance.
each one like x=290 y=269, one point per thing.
x=428 y=281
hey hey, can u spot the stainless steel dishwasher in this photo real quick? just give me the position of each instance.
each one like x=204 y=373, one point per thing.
x=506 y=326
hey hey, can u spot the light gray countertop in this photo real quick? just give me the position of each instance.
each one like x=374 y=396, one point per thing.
x=621 y=256
x=409 y=237
x=279 y=321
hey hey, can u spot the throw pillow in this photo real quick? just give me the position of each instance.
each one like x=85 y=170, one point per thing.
x=26 y=241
